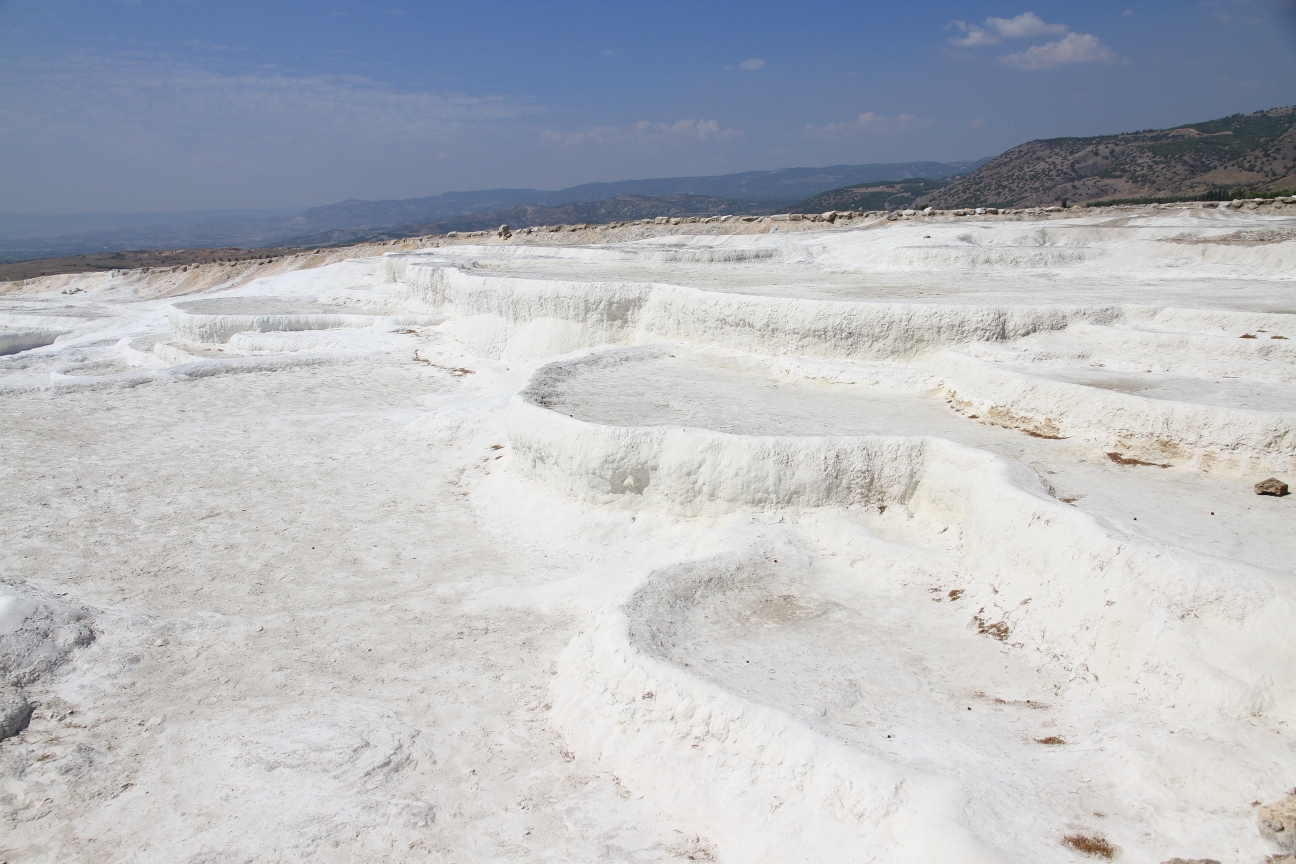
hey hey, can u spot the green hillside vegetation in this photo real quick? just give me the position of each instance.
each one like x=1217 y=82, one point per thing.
x=881 y=195
x=1251 y=154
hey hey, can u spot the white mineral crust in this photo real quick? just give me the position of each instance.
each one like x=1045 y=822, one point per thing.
x=931 y=539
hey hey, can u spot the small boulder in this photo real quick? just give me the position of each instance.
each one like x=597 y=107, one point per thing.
x=15 y=712
x=1272 y=486
x=1277 y=822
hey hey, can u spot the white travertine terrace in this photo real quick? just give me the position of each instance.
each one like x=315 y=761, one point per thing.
x=929 y=538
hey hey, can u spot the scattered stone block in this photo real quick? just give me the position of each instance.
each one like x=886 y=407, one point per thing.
x=1272 y=486
x=1277 y=822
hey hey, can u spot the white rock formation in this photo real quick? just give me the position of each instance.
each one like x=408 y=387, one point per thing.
x=845 y=539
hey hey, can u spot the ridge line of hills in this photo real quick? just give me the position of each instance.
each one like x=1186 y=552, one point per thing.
x=42 y=236
x=1243 y=155
x=1240 y=155
x=1255 y=152
x=1215 y=158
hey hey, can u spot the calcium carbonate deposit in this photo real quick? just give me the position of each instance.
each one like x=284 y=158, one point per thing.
x=929 y=539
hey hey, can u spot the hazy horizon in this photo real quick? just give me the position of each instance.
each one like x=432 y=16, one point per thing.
x=292 y=210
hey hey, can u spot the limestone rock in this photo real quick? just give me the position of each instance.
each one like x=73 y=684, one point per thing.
x=1278 y=822
x=15 y=711
x=1272 y=486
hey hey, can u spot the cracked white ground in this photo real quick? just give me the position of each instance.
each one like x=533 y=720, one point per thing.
x=800 y=546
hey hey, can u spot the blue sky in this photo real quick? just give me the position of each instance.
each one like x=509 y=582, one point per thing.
x=194 y=104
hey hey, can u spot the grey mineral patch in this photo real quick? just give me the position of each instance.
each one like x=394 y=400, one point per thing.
x=37 y=633
x=15 y=711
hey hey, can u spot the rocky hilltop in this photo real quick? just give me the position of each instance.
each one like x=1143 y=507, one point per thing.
x=1256 y=152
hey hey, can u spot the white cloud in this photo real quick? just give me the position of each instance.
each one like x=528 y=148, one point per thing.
x=645 y=133
x=1072 y=48
x=104 y=130
x=972 y=35
x=751 y=64
x=868 y=123
x=1023 y=26
x=110 y=94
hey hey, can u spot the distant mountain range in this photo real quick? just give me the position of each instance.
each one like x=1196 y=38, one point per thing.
x=26 y=237
x=784 y=186
x=1242 y=154
x=1253 y=152
x=622 y=208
